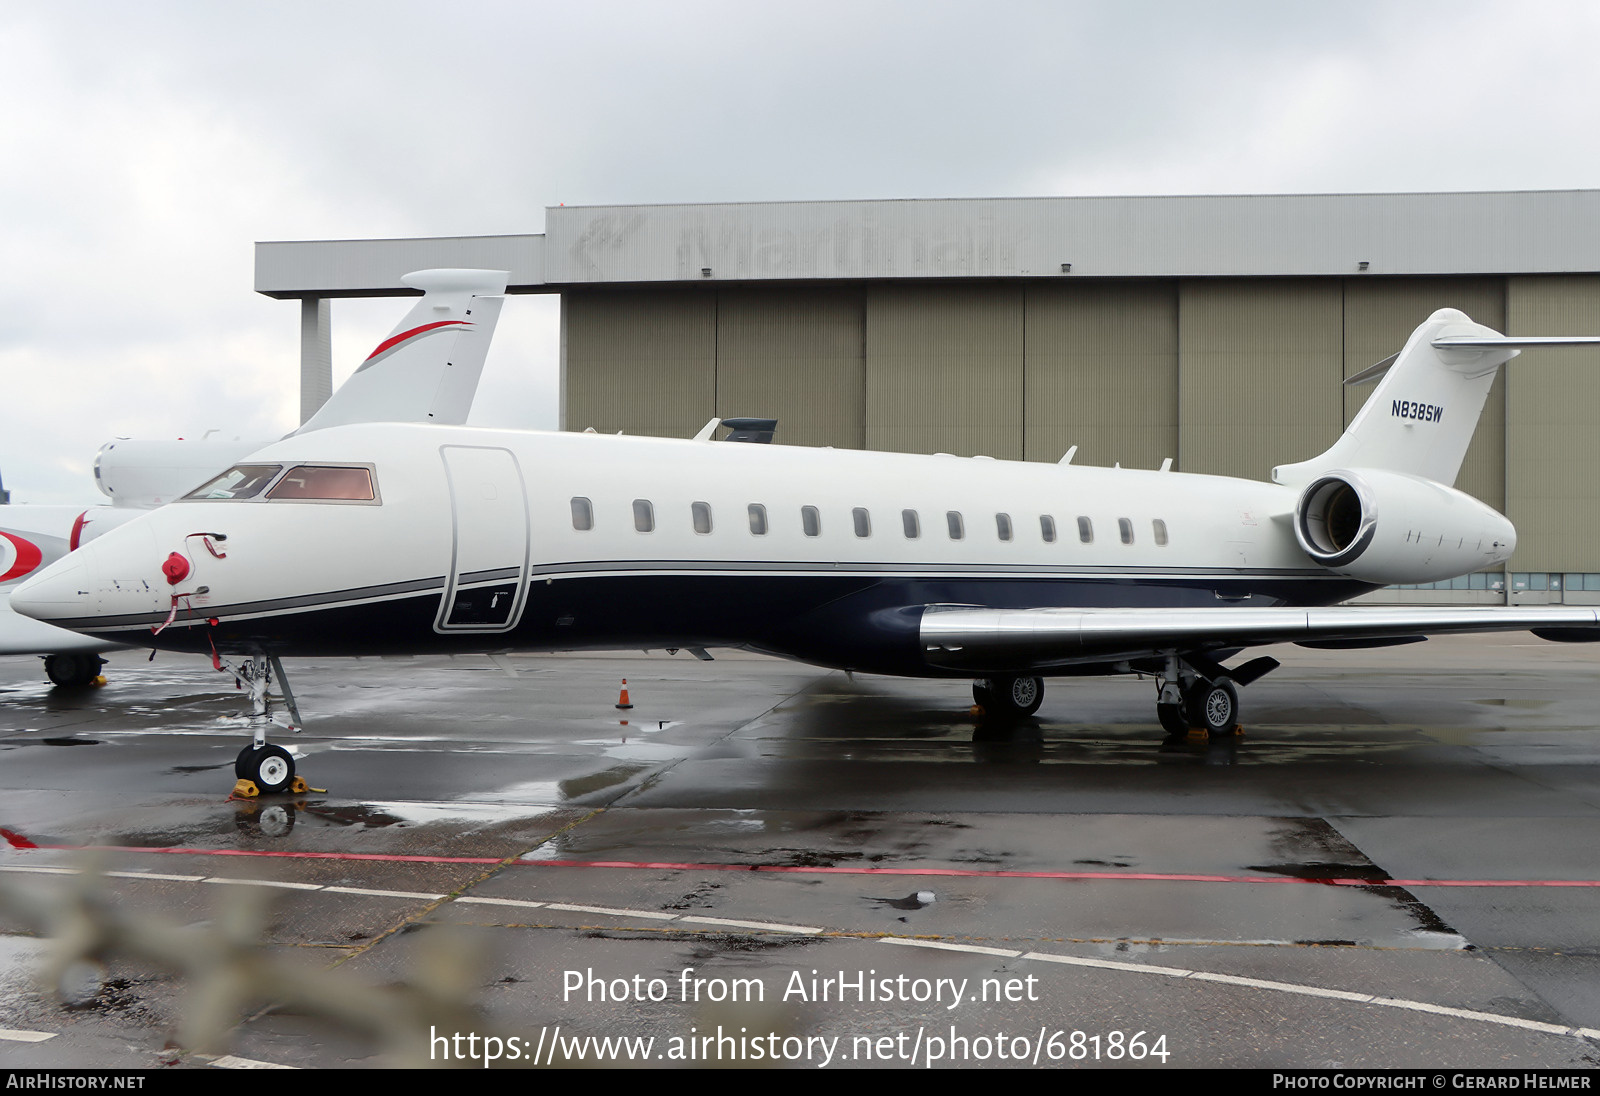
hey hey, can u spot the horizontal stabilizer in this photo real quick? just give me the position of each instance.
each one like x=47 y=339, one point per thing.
x=1014 y=640
x=1515 y=341
x=1372 y=372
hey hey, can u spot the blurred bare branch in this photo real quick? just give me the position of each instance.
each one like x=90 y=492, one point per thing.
x=229 y=970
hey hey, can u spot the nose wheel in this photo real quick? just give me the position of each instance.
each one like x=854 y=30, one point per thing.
x=270 y=768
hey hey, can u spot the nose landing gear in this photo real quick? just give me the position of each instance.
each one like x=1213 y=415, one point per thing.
x=262 y=768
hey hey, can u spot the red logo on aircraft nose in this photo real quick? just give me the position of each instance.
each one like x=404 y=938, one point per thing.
x=27 y=558
x=176 y=568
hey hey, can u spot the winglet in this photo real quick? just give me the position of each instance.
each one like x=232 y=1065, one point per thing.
x=427 y=370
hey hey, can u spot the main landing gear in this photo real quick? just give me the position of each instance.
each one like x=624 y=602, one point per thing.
x=73 y=671
x=1009 y=696
x=1195 y=693
x=263 y=768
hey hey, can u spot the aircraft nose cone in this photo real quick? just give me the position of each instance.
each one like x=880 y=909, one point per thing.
x=63 y=590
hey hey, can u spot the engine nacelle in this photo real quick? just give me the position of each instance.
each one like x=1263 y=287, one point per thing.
x=1390 y=528
x=146 y=474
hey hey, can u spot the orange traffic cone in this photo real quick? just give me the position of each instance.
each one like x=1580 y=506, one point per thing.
x=622 y=701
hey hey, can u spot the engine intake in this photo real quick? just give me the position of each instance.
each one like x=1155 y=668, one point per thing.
x=1388 y=527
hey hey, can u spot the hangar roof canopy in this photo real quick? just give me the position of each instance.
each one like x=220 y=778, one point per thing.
x=1509 y=232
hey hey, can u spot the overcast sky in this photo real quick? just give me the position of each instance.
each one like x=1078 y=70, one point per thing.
x=145 y=147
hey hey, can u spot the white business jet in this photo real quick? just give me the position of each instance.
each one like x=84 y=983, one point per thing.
x=370 y=539
x=427 y=370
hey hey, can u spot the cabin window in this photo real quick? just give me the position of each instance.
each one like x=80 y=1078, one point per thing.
x=1125 y=529
x=1002 y=526
x=758 y=519
x=702 y=516
x=1047 y=528
x=242 y=481
x=811 y=521
x=582 y=515
x=644 y=516
x=1160 y=528
x=1085 y=530
x=913 y=527
x=863 y=521
x=329 y=484
x=953 y=519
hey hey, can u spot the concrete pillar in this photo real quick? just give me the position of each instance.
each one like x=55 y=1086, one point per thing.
x=316 y=355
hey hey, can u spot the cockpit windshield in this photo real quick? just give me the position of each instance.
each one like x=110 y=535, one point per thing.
x=310 y=481
x=301 y=483
x=242 y=481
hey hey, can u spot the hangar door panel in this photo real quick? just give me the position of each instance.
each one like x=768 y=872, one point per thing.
x=488 y=578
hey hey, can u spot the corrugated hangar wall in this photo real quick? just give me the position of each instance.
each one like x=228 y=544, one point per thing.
x=1552 y=441
x=1225 y=375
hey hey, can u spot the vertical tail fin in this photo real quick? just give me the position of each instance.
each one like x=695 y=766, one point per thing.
x=427 y=370
x=1421 y=417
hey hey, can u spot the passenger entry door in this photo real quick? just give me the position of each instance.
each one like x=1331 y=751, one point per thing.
x=489 y=555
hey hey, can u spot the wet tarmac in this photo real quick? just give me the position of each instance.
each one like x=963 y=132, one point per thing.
x=1397 y=864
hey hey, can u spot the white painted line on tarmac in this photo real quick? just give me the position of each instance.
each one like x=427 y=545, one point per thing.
x=772 y=926
x=500 y=902
x=1311 y=991
x=1280 y=987
x=154 y=875
x=652 y=914
x=768 y=926
x=26 y=1036
x=384 y=893
x=228 y=1061
x=264 y=883
x=1137 y=968
x=942 y=946
x=1470 y=1014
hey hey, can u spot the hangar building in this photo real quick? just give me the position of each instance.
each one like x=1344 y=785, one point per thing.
x=1215 y=331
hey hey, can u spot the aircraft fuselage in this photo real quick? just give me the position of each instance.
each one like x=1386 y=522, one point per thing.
x=489 y=540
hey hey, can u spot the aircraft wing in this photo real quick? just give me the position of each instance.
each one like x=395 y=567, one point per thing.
x=1011 y=640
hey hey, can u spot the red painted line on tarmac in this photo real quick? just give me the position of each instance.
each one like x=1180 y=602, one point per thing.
x=970 y=873
x=286 y=854
x=16 y=840
x=20 y=842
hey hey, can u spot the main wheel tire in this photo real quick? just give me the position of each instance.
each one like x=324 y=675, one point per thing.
x=1015 y=697
x=269 y=767
x=1172 y=719
x=72 y=671
x=981 y=693
x=1214 y=705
